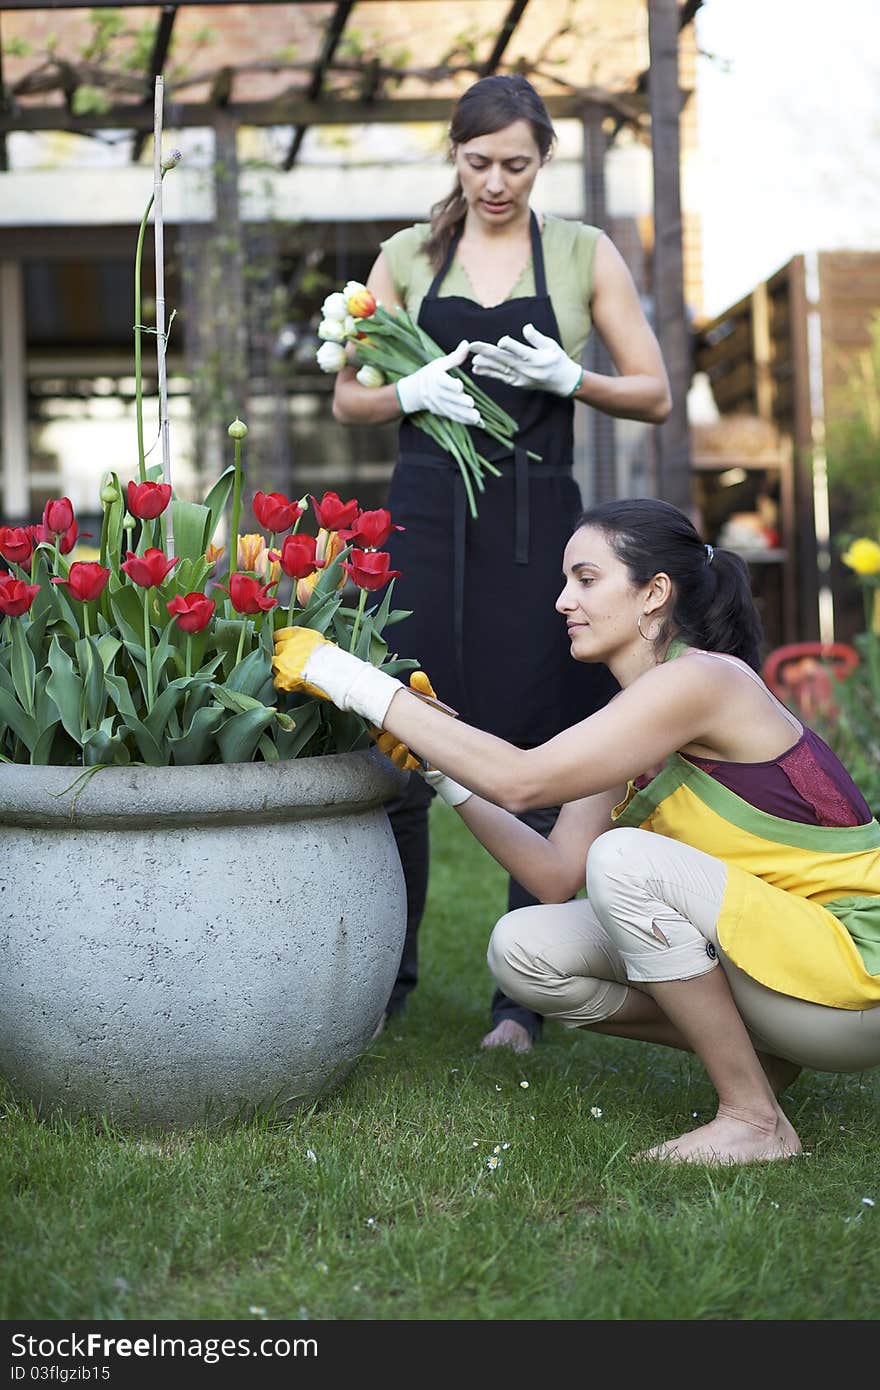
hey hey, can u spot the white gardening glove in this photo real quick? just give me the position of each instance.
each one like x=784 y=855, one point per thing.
x=432 y=388
x=544 y=366
x=305 y=661
x=453 y=793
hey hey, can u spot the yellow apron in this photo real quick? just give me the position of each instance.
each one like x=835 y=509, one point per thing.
x=801 y=911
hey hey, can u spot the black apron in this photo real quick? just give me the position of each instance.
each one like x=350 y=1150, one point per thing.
x=483 y=589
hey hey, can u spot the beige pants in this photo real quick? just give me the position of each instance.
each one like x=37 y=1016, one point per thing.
x=651 y=914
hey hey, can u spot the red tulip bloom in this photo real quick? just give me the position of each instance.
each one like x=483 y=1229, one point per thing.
x=43 y=536
x=148 y=569
x=58 y=515
x=192 y=612
x=298 y=556
x=275 y=512
x=16 y=544
x=148 y=500
x=369 y=568
x=333 y=514
x=86 y=579
x=372 y=529
x=16 y=596
x=249 y=595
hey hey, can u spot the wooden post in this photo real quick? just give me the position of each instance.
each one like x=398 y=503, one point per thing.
x=601 y=427
x=806 y=565
x=161 y=332
x=13 y=434
x=673 y=437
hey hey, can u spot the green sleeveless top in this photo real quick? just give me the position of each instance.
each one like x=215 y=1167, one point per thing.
x=569 y=251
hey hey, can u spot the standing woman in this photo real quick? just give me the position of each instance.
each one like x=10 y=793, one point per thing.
x=522 y=292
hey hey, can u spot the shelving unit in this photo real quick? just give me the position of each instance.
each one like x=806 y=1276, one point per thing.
x=773 y=571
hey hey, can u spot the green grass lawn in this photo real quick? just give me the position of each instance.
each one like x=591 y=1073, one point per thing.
x=378 y=1202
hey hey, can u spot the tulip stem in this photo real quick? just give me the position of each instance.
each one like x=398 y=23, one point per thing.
x=244 y=627
x=189 y=652
x=87 y=631
x=236 y=506
x=148 y=650
x=357 y=619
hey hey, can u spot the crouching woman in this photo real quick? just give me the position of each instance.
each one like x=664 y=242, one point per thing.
x=732 y=865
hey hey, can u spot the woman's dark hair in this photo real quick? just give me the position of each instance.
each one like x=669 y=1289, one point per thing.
x=489 y=105
x=713 y=606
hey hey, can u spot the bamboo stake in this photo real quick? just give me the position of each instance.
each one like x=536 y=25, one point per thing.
x=161 y=337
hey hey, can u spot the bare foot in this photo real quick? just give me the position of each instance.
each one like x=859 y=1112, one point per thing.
x=509 y=1033
x=731 y=1138
x=780 y=1072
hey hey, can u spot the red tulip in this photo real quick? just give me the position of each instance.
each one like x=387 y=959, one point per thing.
x=86 y=579
x=58 y=514
x=148 y=500
x=148 y=569
x=16 y=596
x=43 y=536
x=275 y=512
x=16 y=544
x=369 y=568
x=333 y=514
x=372 y=529
x=249 y=595
x=298 y=556
x=192 y=612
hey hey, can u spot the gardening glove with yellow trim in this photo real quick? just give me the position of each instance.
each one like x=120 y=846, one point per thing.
x=398 y=752
x=306 y=661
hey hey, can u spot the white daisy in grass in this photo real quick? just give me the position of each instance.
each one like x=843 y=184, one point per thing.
x=505 y=1146
x=311 y=1156
x=868 y=1202
x=493 y=1163
x=524 y=1085
x=596 y=1112
x=257 y=1311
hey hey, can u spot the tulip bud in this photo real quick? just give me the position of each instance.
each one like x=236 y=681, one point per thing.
x=369 y=375
x=353 y=287
x=128 y=522
x=331 y=357
x=111 y=490
x=331 y=331
x=362 y=304
x=334 y=307
x=350 y=326
x=238 y=429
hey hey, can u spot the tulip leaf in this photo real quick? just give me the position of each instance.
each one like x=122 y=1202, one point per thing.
x=41 y=753
x=91 y=669
x=151 y=752
x=22 y=667
x=240 y=735
x=173 y=695
x=65 y=687
x=236 y=700
x=192 y=746
x=251 y=674
x=320 y=616
x=107 y=646
x=111 y=526
x=23 y=725
x=266 y=748
x=217 y=498
x=100 y=746
x=192 y=523
x=118 y=687
x=128 y=611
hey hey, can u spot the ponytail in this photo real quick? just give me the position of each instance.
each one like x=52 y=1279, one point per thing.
x=713 y=607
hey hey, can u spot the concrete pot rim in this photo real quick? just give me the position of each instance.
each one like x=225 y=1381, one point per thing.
x=142 y=797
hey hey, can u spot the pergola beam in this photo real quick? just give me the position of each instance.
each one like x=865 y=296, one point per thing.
x=297 y=111
x=332 y=36
x=505 y=34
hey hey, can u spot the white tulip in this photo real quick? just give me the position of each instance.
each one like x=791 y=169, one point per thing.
x=353 y=287
x=331 y=357
x=331 y=331
x=350 y=326
x=334 y=307
x=370 y=375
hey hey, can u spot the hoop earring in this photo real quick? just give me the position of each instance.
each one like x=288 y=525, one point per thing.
x=641 y=634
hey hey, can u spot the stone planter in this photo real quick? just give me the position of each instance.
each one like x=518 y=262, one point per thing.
x=186 y=945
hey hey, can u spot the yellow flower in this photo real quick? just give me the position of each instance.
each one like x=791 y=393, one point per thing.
x=250 y=550
x=268 y=570
x=863 y=556
x=328 y=546
x=214 y=553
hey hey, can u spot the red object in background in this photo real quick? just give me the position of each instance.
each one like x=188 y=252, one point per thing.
x=802 y=674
